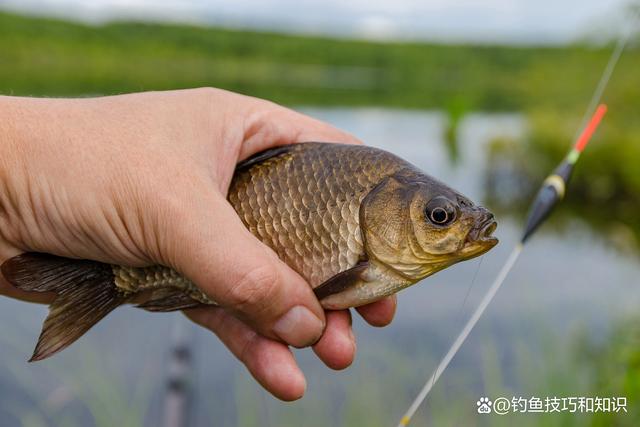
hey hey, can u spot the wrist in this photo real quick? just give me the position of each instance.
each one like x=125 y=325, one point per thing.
x=7 y=158
x=13 y=149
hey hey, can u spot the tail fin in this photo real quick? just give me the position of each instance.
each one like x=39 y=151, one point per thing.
x=86 y=293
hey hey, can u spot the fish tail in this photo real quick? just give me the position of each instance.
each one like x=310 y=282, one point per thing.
x=85 y=293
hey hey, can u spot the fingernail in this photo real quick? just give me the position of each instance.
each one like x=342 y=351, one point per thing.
x=299 y=327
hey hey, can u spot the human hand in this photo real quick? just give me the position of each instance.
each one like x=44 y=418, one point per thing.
x=142 y=179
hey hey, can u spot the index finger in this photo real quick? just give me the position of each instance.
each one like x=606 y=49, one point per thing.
x=275 y=125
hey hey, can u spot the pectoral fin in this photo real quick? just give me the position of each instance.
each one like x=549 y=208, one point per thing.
x=341 y=281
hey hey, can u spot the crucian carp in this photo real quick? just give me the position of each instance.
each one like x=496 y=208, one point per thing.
x=358 y=223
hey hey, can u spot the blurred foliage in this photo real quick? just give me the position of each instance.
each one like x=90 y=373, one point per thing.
x=615 y=368
x=456 y=110
x=545 y=362
x=605 y=189
x=552 y=85
x=575 y=363
x=49 y=57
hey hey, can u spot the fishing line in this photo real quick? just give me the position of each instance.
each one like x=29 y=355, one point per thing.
x=552 y=191
x=462 y=337
x=623 y=40
x=460 y=311
x=473 y=281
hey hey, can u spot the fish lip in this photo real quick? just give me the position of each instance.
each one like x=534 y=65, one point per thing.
x=487 y=230
x=484 y=232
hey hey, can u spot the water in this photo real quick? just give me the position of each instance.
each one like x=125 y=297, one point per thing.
x=563 y=283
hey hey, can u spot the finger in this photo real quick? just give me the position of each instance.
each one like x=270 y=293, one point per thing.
x=274 y=125
x=270 y=362
x=337 y=347
x=214 y=249
x=379 y=313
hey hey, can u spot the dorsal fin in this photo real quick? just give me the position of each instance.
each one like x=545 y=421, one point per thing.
x=264 y=155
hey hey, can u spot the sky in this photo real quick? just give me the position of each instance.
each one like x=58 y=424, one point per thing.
x=502 y=21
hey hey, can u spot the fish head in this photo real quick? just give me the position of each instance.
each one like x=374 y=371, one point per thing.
x=415 y=226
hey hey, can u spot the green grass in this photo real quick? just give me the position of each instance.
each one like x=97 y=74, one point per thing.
x=542 y=364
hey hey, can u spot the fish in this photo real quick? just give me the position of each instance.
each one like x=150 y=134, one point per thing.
x=358 y=223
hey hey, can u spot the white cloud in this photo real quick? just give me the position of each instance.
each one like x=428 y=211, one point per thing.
x=478 y=20
x=376 y=27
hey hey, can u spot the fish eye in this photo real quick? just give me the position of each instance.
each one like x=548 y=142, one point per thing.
x=440 y=211
x=439 y=215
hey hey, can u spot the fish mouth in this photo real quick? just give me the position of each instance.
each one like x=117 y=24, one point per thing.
x=483 y=234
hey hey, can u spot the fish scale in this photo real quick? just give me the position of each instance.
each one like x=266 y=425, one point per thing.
x=319 y=189
x=130 y=280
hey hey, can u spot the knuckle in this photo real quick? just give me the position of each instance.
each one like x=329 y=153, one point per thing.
x=248 y=350
x=256 y=289
x=207 y=90
x=268 y=123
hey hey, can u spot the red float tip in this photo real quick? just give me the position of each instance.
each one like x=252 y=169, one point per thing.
x=591 y=128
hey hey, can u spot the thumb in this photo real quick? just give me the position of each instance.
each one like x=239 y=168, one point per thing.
x=214 y=249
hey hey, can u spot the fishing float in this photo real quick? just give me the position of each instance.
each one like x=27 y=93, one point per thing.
x=550 y=194
x=554 y=187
